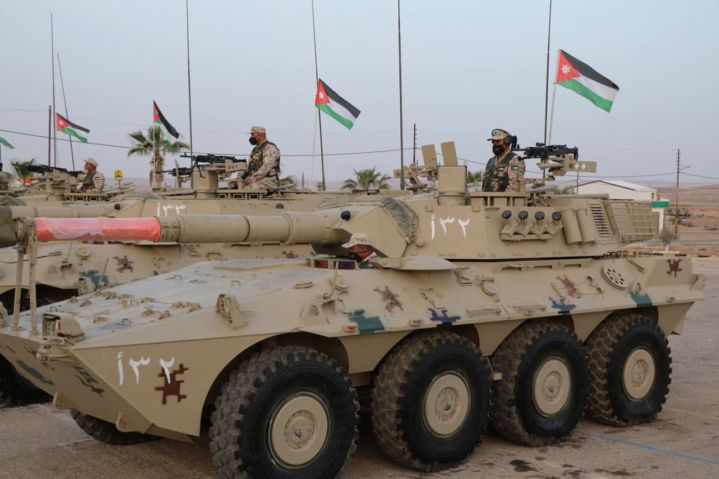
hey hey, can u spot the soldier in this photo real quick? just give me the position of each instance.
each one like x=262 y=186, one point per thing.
x=94 y=180
x=505 y=170
x=361 y=250
x=263 y=170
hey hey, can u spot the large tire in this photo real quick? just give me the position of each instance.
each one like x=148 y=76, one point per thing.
x=16 y=390
x=106 y=432
x=430 y=400
x=630 y=370
x=543 y=390
x=287 y=412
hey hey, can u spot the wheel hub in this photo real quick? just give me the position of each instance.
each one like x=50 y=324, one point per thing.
x=638 y=373
x=446 y=404
x=298 y=429
x=552 y=386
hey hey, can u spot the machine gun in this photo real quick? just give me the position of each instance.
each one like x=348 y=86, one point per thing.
x=46 y=169
x=224 y=164
x=556 y=160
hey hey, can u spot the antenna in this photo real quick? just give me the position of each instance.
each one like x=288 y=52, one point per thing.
x=401 y=125
x=189 y=86
x=67 y=114
x=319 y=116
x=52 y=46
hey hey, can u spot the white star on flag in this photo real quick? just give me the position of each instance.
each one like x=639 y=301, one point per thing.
x=322 y=96
x=566 y=69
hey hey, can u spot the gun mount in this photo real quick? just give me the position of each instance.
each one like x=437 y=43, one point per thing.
x=556 y=160
x=468 y=288
x=54 y=183
x=207 y=170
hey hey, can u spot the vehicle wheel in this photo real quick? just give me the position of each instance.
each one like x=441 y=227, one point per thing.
x=430 y=400
x=14 y=389
x=630 y=369
x=106 y=432
x=543 y=390
x=286 y=412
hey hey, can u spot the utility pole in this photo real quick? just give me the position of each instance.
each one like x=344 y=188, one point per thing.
x=676 y=198
x=414 y=145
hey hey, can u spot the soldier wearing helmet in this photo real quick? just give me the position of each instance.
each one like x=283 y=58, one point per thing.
x=361 y=250
x=505 y=170
x=94 y=180
x=263 y=169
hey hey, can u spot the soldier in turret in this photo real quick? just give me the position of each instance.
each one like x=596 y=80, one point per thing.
x=263 y=169
x=505 y=170
x=94 y=180
x=361 y=250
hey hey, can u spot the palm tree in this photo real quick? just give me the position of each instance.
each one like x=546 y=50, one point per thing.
x=156 y=145
x=367 y=179
x=562 y=190
x=21 y=169
x=288 y=182
x=475 y=177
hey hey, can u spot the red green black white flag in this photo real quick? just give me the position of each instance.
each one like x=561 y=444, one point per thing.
x=3 y=141
x=71 y=129
x=586 y=81
x=158 y=118
x=328 y=101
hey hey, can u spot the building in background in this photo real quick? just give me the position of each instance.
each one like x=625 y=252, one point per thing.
x=624 y=190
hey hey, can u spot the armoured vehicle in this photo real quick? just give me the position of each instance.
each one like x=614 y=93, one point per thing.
x=66 y=269
x=523 y=310
x=51 y=185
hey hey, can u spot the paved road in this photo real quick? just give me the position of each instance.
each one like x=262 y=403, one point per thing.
x=37 y=441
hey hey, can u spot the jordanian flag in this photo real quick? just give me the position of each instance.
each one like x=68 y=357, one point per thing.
x=71 y=129
x=3 y=141
x=585 y=80
x=328 y=101
x=159 y=119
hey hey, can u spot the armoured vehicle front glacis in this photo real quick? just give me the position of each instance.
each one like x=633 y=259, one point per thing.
x=516 y=309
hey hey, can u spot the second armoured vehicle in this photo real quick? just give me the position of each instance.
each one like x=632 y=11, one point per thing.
x=519 y=309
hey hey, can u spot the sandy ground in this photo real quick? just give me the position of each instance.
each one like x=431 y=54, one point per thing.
x=38 y=441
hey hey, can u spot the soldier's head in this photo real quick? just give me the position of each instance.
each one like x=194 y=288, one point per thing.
x=91 y=165
x=258 y=135
x=501 y=141
x=360 y=246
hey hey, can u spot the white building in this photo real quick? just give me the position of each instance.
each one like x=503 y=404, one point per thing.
x=618 y=190
x=624 y=190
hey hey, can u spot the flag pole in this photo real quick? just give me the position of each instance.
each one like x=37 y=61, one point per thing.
x=67 y=114
x=546 y=83
x=189 y=87
x=401 y=120
x=52 y=46
x=551 y=115
x=319 y=116
x=49 y=134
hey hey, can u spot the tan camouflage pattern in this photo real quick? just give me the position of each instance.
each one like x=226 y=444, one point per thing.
x=93 y=183
x=262 y=160
x=507 y=174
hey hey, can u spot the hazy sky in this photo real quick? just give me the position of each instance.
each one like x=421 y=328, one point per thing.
x=468 y=67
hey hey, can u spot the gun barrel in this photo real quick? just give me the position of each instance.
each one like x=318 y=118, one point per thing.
x=8 y=213
x=289 y=228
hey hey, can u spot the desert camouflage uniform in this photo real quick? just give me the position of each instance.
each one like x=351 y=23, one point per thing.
x=505 y=175
x=264 y=167
x=93 y=183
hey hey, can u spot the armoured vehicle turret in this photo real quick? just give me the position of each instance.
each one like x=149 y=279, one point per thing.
x=68 y=268
x=521 y=310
